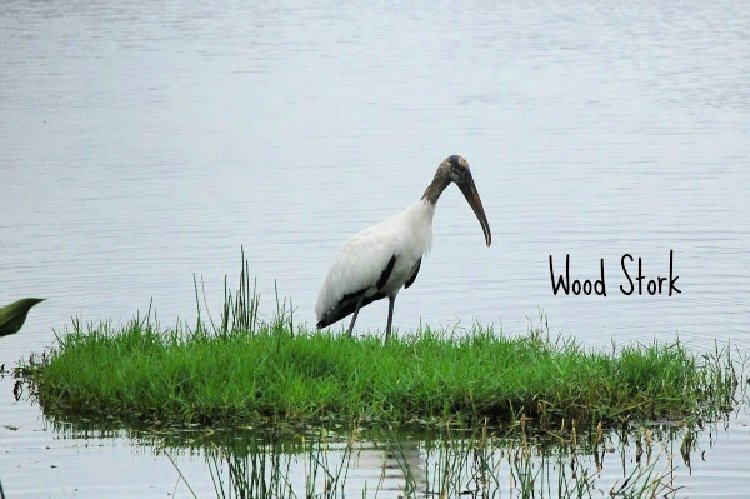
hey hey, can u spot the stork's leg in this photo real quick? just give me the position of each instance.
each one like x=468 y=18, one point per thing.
x=356 y=311
x=391 y=302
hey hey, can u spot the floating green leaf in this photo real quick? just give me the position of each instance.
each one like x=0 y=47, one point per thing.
x=13 y=316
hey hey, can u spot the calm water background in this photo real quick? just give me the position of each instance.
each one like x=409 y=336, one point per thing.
x=143 y=143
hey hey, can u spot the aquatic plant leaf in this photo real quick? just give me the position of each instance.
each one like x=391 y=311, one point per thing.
x=13 y=316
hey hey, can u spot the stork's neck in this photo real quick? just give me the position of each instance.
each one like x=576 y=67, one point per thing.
x=436 y=187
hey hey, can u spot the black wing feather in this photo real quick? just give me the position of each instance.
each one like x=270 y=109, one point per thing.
x=386 y=273
x=411 y=279
x=346 y=306
x=348 y=303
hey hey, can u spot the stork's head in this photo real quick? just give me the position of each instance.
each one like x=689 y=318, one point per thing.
x=455 y=169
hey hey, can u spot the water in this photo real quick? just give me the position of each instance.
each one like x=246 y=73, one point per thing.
x=141 y=144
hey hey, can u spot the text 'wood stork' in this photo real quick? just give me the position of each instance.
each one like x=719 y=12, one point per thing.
x=376 y=262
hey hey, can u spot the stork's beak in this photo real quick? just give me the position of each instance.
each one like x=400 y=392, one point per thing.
x=469 y=191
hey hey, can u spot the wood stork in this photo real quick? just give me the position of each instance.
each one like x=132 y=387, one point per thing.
x=378 y=261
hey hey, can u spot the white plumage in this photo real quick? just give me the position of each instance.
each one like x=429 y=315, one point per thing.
x=361 y=261
x=378 y=261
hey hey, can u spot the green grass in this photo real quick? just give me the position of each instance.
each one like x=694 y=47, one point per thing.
x=272 y=375
x=259 y=372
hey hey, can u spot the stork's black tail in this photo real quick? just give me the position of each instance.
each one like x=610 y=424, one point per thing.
x=345 y=306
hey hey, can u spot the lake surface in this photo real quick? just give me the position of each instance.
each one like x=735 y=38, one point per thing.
x=143 y=143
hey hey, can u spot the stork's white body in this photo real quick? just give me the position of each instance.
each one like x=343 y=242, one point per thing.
x=361 y=262
x=377 y=262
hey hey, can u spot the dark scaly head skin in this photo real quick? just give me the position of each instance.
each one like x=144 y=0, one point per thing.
x=456 y=169
x=458 y=164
